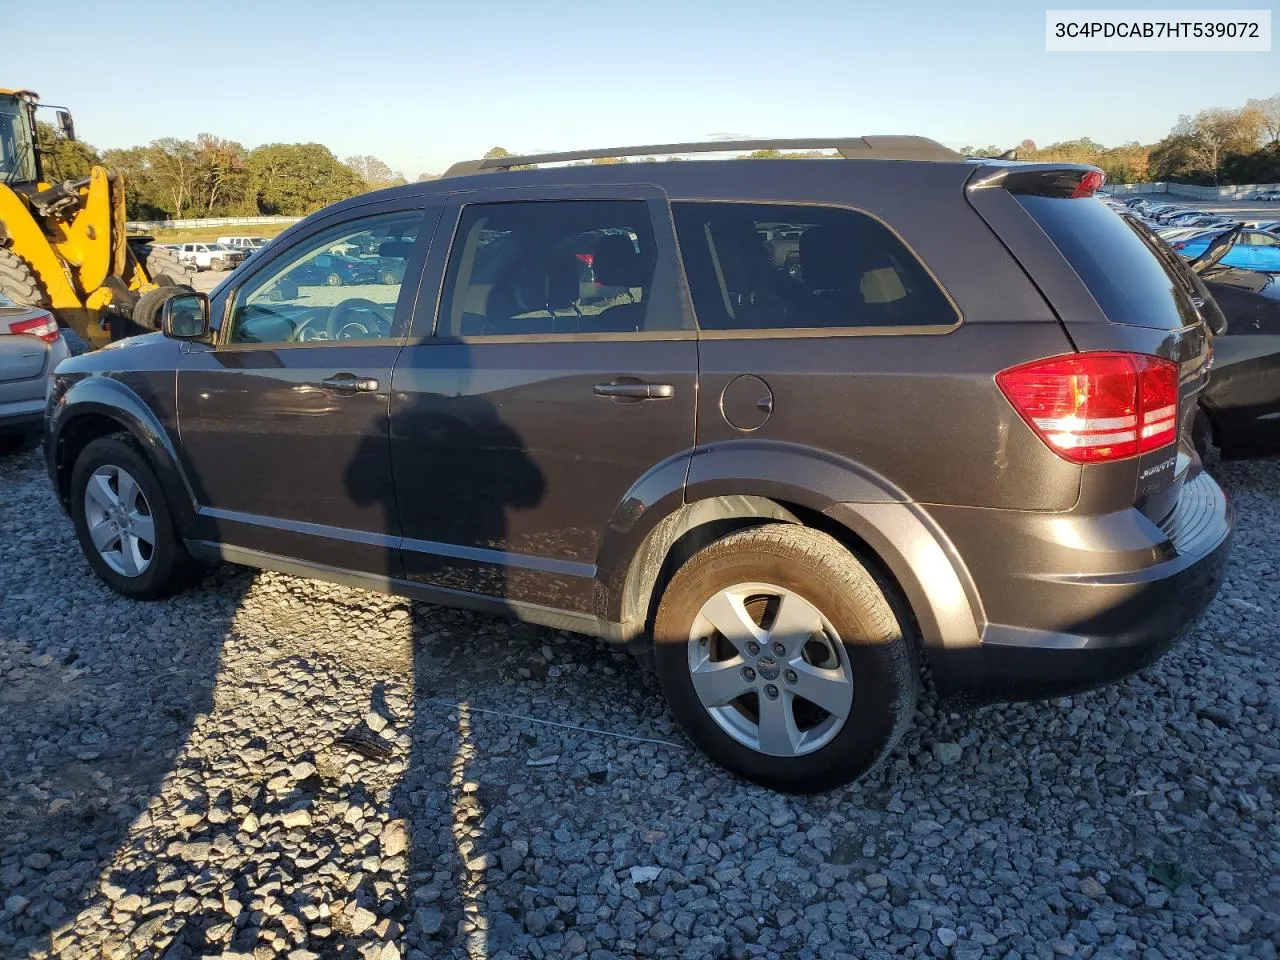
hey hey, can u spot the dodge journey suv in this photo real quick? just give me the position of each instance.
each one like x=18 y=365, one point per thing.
x=794 y=427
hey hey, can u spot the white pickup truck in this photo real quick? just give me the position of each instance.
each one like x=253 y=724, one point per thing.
x=209 y=256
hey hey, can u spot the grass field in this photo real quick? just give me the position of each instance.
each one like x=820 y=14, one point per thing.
x=198 y=234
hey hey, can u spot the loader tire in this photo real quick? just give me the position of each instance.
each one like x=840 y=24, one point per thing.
x=18 y=282
x=163 y=266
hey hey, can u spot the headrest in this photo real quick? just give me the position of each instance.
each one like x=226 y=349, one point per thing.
x=616 y=263
x=563 y=290
x=397 y=249
x=828 y=259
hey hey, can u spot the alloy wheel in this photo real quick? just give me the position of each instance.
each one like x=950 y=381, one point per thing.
x=770 y=669
x=119 y=520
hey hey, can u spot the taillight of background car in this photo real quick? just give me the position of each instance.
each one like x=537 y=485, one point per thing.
x=1097 y=407
x=42 y=326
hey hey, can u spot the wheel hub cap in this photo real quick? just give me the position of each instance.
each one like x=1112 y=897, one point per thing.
x=768 y=668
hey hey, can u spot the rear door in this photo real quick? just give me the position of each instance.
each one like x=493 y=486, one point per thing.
x=558 y=371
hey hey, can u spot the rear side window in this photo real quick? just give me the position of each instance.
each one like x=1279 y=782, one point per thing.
x=765 y=266
x=1115 y=261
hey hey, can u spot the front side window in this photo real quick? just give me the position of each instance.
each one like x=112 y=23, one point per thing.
x=763 y=266
x=549 y=266
x=314 y=295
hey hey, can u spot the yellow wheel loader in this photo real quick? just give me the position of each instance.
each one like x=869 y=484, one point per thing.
x=63 y=245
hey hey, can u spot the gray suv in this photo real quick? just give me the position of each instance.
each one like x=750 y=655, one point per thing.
x=792 y=426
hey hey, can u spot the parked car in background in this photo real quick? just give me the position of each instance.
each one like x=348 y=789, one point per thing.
x=1267 y=195
x=787 y=486
x=333 y=270
x=246 y=244
x=210 y=256
x=1249 y=249
x=1240 y=408
x=30 y=347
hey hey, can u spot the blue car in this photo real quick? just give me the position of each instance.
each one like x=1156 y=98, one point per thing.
x=1252 y=250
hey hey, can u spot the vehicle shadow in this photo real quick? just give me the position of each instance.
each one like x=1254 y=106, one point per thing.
x=99 y=718
x=439 y=808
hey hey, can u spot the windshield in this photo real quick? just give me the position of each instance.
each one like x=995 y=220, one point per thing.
x=17 y=159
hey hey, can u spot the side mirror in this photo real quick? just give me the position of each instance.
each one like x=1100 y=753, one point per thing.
x=66 y=124
x=185 y=316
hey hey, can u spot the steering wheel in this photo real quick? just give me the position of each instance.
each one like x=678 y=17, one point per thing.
x=358 y=319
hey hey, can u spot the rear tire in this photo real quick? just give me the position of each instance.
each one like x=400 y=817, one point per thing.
x=163 y=266
x=165 y=564
x=18 y=281
x=859 y=641
x=334 y=280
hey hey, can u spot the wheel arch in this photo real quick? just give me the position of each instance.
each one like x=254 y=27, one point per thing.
x=751 y=483
x=97 y=407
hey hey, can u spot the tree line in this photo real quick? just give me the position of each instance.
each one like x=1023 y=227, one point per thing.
x=215 y=177
x=1216 y=147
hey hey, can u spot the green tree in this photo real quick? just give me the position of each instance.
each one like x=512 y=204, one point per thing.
x=223 y=182
x=297 y=178
x=174 y=168
x=63 y=159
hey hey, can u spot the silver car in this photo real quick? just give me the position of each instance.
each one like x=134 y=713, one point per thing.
x=30 y=347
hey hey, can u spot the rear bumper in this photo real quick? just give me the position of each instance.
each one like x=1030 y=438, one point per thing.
x=1060 y=633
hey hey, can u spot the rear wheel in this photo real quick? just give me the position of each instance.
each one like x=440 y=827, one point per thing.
x=18 y=281
x=783 y=659
x=334 y=279
x=123 y=521
x=163 y=266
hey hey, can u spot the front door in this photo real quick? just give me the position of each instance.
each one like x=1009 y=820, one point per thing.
x=284 y=421
x=561 y=372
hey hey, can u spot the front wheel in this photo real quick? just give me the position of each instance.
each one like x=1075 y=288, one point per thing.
x=783 y=659
x=334 y=280
x=123 y=521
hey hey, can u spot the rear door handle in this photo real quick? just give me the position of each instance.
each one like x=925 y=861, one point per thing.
x=349 y=383
x=635 y=390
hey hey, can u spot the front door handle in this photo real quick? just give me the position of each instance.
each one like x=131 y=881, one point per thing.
x=635 y=390
x=350 y=383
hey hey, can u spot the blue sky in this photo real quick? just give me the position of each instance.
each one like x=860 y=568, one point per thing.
x=422 y=84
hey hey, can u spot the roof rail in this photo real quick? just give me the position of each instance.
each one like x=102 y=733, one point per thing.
x=850 y=148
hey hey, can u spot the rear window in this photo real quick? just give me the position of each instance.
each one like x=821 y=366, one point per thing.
x=1122 y=269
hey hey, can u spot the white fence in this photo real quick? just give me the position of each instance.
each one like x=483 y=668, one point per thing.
x=1241 y=191
x=205 y=222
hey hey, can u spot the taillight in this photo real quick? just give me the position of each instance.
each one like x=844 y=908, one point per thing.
x=1097 y=407
x=1180 y=245
x=42 y=326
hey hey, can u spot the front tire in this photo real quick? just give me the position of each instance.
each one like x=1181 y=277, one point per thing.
x=124 y=523
x=783 y=659
x=334 y=280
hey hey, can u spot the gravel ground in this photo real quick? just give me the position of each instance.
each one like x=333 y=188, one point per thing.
x=269 y=767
